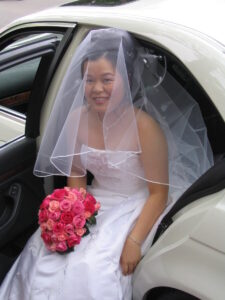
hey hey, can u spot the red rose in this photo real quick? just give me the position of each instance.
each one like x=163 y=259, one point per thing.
x=73 y=240
x=45 y=203
x=59 y=194
x=67 y=217
x=91 y=198
x=58 y=227
x=42 y=215
x=46 y=237
x=89 y=205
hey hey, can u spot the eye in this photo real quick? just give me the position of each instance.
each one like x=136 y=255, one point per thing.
x=108 y=80
x=89 y=80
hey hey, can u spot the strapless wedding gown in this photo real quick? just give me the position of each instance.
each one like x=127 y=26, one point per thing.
x=92 y=271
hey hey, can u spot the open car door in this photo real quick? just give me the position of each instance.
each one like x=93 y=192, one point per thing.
x=27 y=63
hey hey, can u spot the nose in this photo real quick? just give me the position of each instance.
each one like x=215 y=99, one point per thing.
x=98 y=86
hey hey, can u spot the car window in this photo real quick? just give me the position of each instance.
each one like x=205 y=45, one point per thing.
x=98 y=2
x=16 y=84
x=21 y=61
x=16 y=81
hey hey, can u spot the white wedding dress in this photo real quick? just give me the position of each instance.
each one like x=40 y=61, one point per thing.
x=92 y=271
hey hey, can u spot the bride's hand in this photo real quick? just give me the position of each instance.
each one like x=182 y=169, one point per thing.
x=130 y=256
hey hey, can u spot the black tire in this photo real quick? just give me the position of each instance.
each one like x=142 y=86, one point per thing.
x=168 y=294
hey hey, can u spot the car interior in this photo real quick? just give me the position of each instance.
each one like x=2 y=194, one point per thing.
x=29 y=73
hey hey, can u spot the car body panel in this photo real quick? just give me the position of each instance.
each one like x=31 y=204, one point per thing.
x=177 y=12
x=184 y=249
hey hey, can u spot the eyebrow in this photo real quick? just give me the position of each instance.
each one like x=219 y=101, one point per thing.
x=108 y=74
x=104 y=74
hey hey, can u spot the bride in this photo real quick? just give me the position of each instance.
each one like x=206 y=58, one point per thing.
x=143 y=153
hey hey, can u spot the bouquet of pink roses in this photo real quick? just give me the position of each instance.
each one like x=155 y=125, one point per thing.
x=64 y=217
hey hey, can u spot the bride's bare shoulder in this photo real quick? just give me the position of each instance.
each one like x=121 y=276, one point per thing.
x=148 y=127
x=144 y=120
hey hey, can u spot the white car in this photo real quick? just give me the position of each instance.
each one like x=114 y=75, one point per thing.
x=187 y=257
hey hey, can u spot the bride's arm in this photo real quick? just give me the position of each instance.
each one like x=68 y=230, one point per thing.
x=77 y=182
x=154 y=159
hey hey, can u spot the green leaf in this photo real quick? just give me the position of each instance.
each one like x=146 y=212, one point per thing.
x=87 y=230
x=92 y=220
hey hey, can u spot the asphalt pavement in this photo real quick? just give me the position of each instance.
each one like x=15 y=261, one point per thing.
x=13 y=9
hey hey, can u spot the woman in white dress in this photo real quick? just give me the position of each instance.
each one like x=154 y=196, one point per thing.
x=140 y=154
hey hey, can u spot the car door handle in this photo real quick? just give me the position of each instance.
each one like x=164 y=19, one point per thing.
x=11 y=206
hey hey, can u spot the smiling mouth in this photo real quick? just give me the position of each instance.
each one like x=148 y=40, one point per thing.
x=100 y=100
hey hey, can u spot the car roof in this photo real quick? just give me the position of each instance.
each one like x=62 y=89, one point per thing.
x=203 y=16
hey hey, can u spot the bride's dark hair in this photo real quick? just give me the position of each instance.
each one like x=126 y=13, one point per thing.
x=107 y=47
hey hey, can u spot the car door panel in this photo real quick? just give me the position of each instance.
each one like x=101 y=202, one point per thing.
x=20 y=191
x=20 y=196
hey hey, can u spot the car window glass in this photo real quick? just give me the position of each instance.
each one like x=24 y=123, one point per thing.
x=16 y=84
x=17 y=81
x=31 y=39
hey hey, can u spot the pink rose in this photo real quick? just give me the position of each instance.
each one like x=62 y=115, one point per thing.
x=62 y=237
x=79 y=196
x=65 y=205
x=46 y=237
x=52 y=247
x=78 y=207
x=73 y=240
x=53 y=206
x=42 y=215
x=87 y=214
x=97 y=206
x=55 y=215
x=81 y=231
x=74 y=190
x=66 y=217
x=69 y=229
x=61 y=246
x=50 y=223
x=54 y=238
x=83 y=192
x=58 y=227
x=79 y=221
x=71 y=196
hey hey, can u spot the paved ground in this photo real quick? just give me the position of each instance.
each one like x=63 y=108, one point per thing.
x=13 y=9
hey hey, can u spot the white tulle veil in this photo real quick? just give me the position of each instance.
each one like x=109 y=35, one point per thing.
x=138 y=91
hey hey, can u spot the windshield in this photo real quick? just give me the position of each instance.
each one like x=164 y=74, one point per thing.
x=98 y=2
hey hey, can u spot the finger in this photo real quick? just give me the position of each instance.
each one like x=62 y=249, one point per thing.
x=131 y=268
x=125 y=269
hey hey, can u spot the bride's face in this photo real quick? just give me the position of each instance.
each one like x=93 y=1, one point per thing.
x=104 y=85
